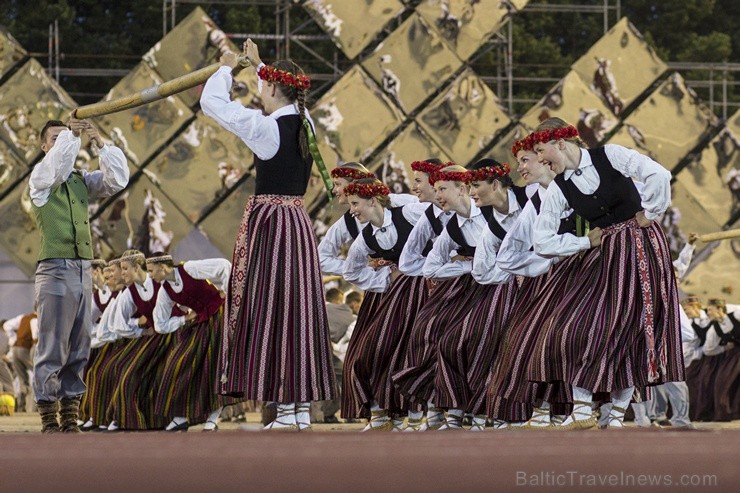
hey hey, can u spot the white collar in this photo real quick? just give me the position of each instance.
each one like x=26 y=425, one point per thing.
x=474 y=211
x=585 y=162
x=387 y=222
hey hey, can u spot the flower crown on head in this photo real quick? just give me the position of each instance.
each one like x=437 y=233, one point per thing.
x=366 y=190
x=159 y=259
x=569 y=132
x=271 y=74
x=355 y=174
x=463 y=176
x=427 y=167
x=521 y=144
x=488 y=172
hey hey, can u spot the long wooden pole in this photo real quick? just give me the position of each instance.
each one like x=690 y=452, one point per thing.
x=720 y=235
x=153 y=93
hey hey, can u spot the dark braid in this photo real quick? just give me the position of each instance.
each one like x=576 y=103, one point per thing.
x=297 y=95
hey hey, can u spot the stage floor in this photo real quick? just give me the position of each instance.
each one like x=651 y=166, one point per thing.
x=337 y=458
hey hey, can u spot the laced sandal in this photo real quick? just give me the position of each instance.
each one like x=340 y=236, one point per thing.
x=379 y=421
x=414 y=425
x=284 y=421
x=303 y=410
x=540 y=420
x=616 y=417
x=581 y=420
x=453 y=423
x=500 y=424
x=478 y=424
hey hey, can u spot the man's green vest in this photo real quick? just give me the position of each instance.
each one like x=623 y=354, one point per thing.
x=64 y=221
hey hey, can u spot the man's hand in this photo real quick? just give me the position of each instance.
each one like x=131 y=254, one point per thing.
x=94 y=136
x=76 y=126
x=594 y=236
x=693 y=237
x=642 y=220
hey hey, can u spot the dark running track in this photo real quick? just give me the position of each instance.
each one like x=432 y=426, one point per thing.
x=518 y=461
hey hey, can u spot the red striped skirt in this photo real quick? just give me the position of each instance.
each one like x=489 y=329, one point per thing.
x=190 y=379
x=617 y=325
x=103 y=380
x=368 y=374
x=353 y=404
x=466 y=352
x=510 y=393
x=276 y=344
x=448 y=303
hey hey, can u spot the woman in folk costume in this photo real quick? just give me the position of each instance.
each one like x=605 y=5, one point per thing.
x=372 y=265
x=342 y=233
x=104 y=374
x=189 y=388
x=720 y=374
x=617 y=327
x=142 y=361
x=103 y=296
x=512 y=399
x=449 y=300
x=466 y=351
x=276 y=345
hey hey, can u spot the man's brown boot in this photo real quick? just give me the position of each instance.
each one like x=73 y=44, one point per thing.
x=69 y=411
x=48 y=412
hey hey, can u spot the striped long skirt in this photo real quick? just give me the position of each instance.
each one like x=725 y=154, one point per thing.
x=104 y=380
x=617 y=325
x=466 y=352
x=134 y=398
x=90 y=375
x=510 y=393
x=448 y=303
x=377 y=348
x=276 y=344
x=190 y=379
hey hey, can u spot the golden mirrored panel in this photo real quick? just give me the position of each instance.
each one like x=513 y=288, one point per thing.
x=29 y=99
x=11 y=51
x=668 y=124
x=200 y=165
x=351 y=24
x=501 y=151
x=222 y=225
x=573 y=101
x=620 y=66
x=13 y=169
x=142 y=217
x=19 y=236
x=467 y=24
x=141 y=131
x=353 y=118
x=713 y=277
x=194 y=43
x=686 y=215
x=412 y=63
x=464 y=118
x=393 y=164
x=714 y=177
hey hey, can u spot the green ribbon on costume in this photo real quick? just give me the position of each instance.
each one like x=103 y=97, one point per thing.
x=582 y=226
x=314 y=149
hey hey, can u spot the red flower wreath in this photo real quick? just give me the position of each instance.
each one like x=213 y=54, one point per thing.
x=569 y=132
x=354 y=174
x=271 y=74
x=366 y=190
x=521 y=144
x=427 y=167
x=482 y=174
x=463 y=176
